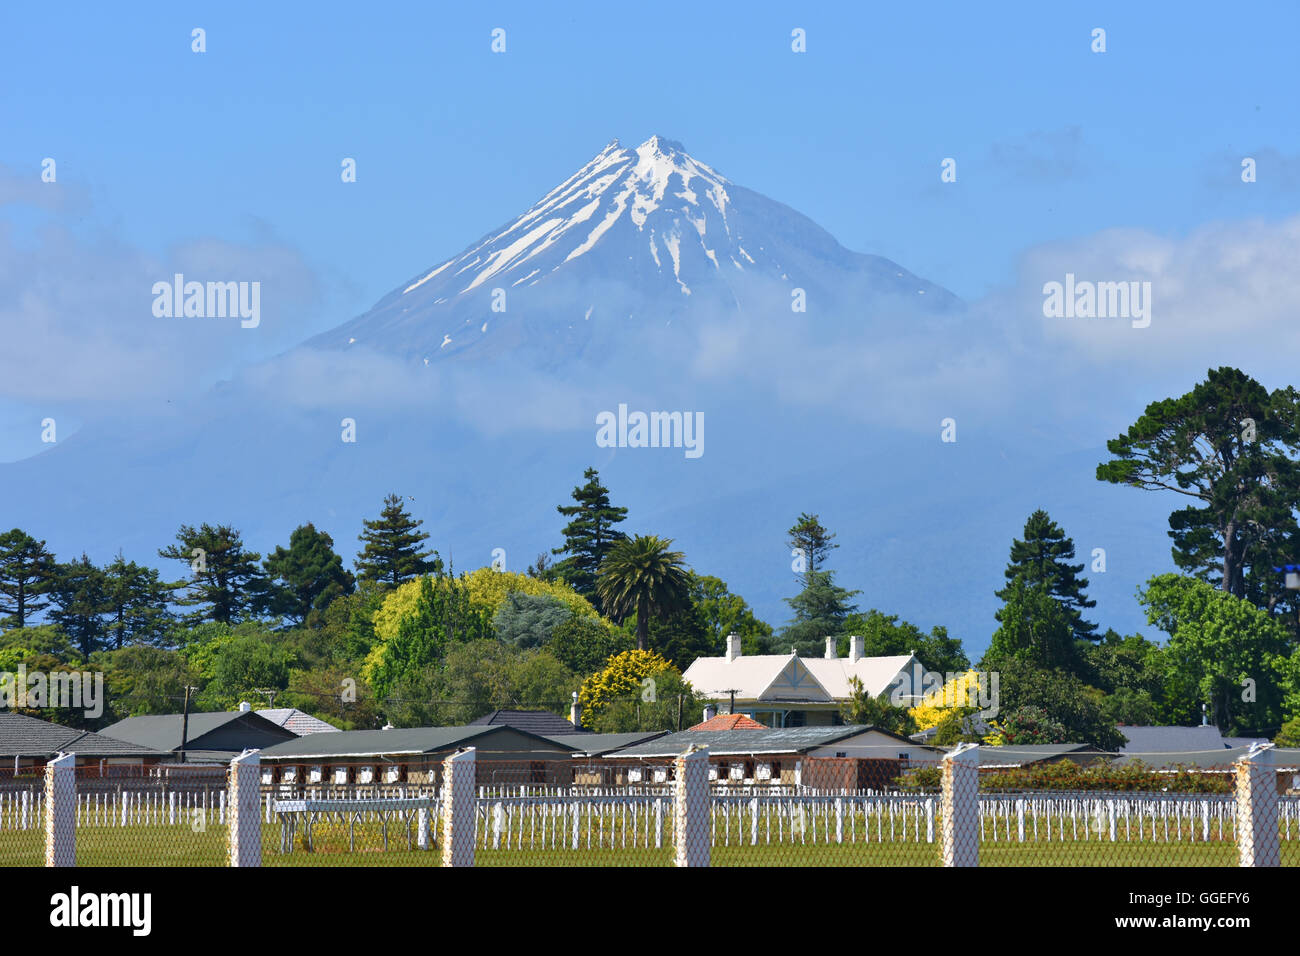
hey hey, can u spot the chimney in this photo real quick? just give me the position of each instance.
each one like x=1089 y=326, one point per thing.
x=575 y=711
x=245 y=706
x=710 y=711
x=733 y=646
x=855 y=649
x=830 y=648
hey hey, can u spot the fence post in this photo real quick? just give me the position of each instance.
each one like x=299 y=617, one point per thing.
x=961 y=802
x=691 y=831
x=1258 y=840
x=61 y=811
x=245 y=804
x=458 y=806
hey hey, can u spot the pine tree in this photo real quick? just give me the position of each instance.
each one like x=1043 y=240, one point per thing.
x=1042 y=560
x=80 y=594
x=589 y=536
x=306 y=576
x=392 y=547
x=227 y=583
x=820 y=611
x=813 y=543
x=26 y=574
x=136 y=604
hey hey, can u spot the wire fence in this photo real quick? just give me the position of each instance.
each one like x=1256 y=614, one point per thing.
x=688 y=811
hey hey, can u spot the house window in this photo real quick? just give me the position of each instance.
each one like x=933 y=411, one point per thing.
x=841 y=753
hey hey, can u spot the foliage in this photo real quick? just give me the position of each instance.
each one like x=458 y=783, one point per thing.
x=142 y=679
x=444 y=615
x=528 y=620
x=642 y=576
x=811 y=542
x=1219 y=645
x=227 y=585
x=862 y=708
x=884 y=635
x=724 y=613
x=1035 y=628
x=26 y=569
x=1131 y=778
x=1062 y=696
x=392 y=552
x=305 y=577
x=939 y=704
x=1042 y=561
x=1230 y=446
x=674 y=706
x=621 y=679
x=583 y=644
x=1289 y=735
x=821 y=610
x=79 y=592
x=589 y=537
x=1027 y=725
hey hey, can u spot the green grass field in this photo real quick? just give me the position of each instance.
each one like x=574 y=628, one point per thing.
x=172 y=846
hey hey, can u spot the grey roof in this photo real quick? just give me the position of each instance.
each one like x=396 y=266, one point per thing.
x=541 y=722
x=296 y=721
x=1020 y=754
x=409 y=740
x=784 y=740
x=598 y=745
x=23 y=736
x=1285 y=759
x=1244 y=741
x=1160 y=740
x=163 y=731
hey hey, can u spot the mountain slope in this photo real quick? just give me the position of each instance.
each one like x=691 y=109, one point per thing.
x=642 y=235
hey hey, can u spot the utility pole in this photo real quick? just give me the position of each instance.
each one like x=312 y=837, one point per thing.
x=185 y=721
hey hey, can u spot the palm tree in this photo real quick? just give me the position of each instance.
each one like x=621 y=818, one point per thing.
x=640 y=575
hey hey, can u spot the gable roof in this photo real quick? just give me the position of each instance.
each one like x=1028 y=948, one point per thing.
x=784 y=740
x=789 y=677
x=296 y=721
x=1163 y=740
x=405 y=741
x=541 y=722
x=163 y=731
x=728 y=722
x=598 y=745
x=1017 y=755
x=23 y=736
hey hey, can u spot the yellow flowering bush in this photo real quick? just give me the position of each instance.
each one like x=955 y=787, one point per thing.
x=942 y=701
x=620 y=680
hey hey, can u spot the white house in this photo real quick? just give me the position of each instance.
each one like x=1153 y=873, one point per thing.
x=786 y=690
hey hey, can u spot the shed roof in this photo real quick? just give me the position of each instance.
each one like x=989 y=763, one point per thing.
x=297 y=721
x=163 y=731
x=599 y=745
x=785 y=740
x=23 y=736
x=400 y=741
x=541 y=722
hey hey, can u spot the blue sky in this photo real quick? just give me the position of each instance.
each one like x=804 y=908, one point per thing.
x=161 y=145
x=1123 y=162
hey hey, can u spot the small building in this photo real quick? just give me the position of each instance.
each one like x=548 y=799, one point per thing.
x=27 y=744
x=1147 y=741
x=412 y=757
x=786 y=690
x=216 y=737
x=853 y=757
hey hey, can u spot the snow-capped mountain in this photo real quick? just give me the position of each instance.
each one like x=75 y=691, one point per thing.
x=649 y=233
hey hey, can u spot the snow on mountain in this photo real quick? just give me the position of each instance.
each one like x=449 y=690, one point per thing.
x=650 y=232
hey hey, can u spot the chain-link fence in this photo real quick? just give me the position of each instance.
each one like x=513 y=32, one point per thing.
x=474 y=809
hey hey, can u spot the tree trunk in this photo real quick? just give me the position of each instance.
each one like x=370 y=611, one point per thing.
x=642 y=627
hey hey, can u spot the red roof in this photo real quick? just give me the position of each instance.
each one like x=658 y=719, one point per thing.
x=730 y=722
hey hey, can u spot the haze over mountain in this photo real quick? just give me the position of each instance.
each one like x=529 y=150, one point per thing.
x=646 y=279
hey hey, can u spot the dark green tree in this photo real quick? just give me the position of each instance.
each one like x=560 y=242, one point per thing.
x=584 y=644
x=821 y=610
x=26 y=573
x=136 y=602
x=862 y=708
x=79 y=591
x=1035 y=627
x=1230 y=446
x=443 y=617
x=527 y=620
x=642 y=576
x=1042 y=560
x=306 y=576
x=884 y=635
x=725 y=613
x=392 y=552
x=226 y=583
x=589 y=537
x=811 y=542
